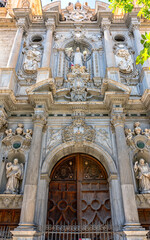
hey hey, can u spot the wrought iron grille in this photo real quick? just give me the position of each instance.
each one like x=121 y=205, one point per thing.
x=5 y=233
x=82 y=232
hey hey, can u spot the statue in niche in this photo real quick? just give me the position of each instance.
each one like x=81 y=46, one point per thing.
x=31 y=62
x=143 y=176
x=124 y=61
x=76 y=58
x=14 y=174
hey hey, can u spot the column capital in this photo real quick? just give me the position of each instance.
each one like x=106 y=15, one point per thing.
x=39 y=116
x=21 y=23
x=50 y=24
x=105 y=24
x=134 y=24
x=117 y=117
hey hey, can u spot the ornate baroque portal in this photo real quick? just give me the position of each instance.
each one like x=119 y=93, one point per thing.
x=78 y=192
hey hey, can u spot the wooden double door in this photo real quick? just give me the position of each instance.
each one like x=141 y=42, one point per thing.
x=78 y=192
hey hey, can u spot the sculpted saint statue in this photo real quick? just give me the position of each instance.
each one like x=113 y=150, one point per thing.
x=14 y=173
x=143 y=176
x=77 y=58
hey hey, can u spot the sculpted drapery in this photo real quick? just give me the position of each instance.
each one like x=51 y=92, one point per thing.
x=14 y=173
x=143 y=175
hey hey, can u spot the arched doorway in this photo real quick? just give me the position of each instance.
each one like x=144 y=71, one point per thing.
x=78 y=192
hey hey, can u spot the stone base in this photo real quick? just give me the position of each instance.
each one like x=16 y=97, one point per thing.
x=43 y=74
x=136 y=235
x=113 y=73
x=25 y=231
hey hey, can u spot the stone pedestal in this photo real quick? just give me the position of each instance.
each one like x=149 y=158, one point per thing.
x=8 y=78
x=136 y=235
x=43 y=74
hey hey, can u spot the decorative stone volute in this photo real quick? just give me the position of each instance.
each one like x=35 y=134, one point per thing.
x=105 y=24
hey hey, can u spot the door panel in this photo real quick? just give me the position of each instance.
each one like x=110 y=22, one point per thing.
x=79 y=192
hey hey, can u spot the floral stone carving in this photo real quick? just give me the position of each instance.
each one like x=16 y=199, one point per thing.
x=78 y=80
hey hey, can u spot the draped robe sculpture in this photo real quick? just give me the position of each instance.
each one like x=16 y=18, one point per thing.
x=143 y=175
x=14 y=173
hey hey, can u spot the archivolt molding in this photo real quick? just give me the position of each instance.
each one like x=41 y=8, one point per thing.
x=86 y=147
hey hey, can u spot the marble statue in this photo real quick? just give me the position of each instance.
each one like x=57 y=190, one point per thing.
x=31 y=61
x=77 y=58
x=124 y=61
x=143 y=175
x=14 y=173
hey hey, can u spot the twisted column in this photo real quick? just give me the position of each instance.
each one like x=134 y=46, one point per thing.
x=30 y=190
x=130 y=209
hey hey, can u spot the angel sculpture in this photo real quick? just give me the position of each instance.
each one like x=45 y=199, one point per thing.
x=28 y=134
x=14 y=174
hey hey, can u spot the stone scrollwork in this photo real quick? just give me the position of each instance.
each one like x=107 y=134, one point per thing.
x=143 y=176
x=102 y=137
x=31 y=61
x=78 y=131
x=18 y=139
x=143 y=200
x=78 y=13
x=10 y=201
x=137 y=138
x=124 y=61
x=14 y=174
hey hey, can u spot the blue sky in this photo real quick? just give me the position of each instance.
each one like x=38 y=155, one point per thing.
x=64 y=3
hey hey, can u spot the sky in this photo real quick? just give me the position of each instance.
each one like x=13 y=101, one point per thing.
x=64 y=3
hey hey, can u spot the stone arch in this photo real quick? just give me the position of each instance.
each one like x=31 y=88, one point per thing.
x=87 y=147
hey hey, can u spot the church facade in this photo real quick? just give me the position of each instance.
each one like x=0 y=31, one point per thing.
x=74 y=120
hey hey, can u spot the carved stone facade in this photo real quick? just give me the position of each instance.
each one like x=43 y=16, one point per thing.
x=74 y=112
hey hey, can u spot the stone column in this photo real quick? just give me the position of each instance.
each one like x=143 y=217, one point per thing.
x=13 y=57
x=42 y=200
x=112 y=71
x=3 y=125
x=27 y=224
x=45 y=71
x=116 y=202
x=145 y=74
x=130 y=209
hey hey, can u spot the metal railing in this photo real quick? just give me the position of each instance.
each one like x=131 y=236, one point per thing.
x=5 y=233
x=82 y=232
